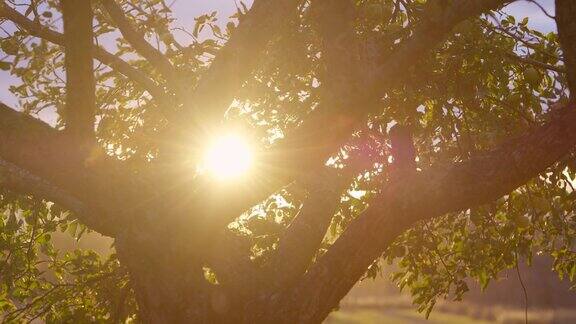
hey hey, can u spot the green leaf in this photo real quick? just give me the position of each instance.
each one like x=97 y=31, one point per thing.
x=5 y=66
x=9 y=46
x=72 y=228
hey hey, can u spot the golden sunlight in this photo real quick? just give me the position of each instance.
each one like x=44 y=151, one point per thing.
x=228 y=157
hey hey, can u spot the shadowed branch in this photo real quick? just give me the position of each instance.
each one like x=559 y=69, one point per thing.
x=40 y=160
x=296 y=152
x=142 y=47
x=80 y=83
x=565 y=13
x=425 y=195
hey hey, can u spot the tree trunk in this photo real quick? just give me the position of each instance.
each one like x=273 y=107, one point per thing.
x=169 y=283
x=170 y=288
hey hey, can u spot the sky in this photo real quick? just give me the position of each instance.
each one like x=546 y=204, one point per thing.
x=186 y=10
x=538 y=19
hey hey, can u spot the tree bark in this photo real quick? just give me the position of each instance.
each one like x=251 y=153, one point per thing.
x=309 y=145
x=565 y=13
x=163 y=270
x=424 y=195
x=80 y=113
x=142 y=47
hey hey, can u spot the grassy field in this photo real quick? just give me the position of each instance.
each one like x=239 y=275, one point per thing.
x=464 y=315
x=551 y=301
x=401 y=316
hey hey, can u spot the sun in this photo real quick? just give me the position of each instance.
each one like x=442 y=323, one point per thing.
x=229 y=156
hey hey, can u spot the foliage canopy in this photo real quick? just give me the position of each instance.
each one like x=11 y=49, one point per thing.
x=307 y=82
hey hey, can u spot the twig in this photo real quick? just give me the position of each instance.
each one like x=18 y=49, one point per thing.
x=523 y=289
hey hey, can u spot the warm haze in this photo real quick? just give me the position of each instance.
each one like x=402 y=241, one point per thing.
x=252 y=162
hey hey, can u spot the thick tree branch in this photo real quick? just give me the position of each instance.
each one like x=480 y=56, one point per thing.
x=341 y=74
x=312 y=143
x=423 y=196
x=300 y=242
x=103 y=185
x=354 y=108
x=565 y=13
x=230 y=261
x=35 y=154
x=237 y=59
x=21 y=181
x=402 y=151
x=142 y=47
x=80 y=83
x=205 y=106
x=37 y=30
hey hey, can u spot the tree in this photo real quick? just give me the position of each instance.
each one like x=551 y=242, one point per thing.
x=340 y=97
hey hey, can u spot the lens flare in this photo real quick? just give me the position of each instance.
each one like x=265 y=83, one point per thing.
x=229 y=156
